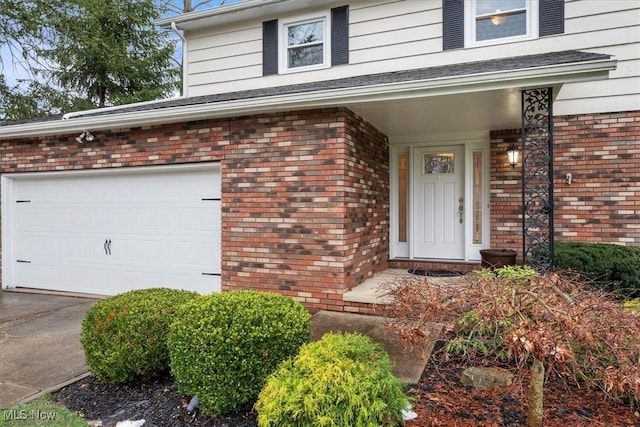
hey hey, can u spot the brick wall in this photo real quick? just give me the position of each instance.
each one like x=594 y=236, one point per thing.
x=304 y=194
x=305 y=205
x=602 y=204
x=602 y=152
x=505 y=187
x=366 y=200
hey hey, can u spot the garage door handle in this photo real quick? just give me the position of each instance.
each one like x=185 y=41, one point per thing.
x=107 y=247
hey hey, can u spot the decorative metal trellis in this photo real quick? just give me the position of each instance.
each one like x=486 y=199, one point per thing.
x=537 y=178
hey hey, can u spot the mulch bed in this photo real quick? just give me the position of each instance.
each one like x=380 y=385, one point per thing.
x=442 y=400
x=439 y=400
x=157 y=402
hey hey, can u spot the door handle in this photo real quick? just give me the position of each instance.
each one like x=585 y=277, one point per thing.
x=107 y=247
x=461 y=209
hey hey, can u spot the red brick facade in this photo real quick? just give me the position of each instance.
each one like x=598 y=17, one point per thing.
x=305 y=205
x=305 y=195
x=602 y=203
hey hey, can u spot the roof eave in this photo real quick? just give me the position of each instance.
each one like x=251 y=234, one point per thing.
x=236 y=12
x=521 y=79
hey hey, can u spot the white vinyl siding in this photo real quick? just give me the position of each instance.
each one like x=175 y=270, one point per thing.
x=611 y=27
x=225 y=56
x=404 y=34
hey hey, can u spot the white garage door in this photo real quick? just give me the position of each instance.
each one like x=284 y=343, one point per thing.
x=109 y=232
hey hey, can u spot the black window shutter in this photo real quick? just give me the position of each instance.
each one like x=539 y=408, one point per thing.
x=270 y=47
x=551 y=17
x=452 y=24
x=340 y=35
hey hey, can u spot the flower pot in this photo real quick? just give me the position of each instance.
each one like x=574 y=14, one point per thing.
x=496 y=258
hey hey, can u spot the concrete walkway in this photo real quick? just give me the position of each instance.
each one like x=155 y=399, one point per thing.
x=39 y=344
x=40 y=347
x=408 y=365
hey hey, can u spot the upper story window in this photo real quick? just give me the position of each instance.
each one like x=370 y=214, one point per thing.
x=470 y=23
x=305 y=44
x=499 y=21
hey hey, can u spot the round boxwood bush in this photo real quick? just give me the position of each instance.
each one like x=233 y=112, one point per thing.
x=340 y=380
x=125 y=336
x=224 y=346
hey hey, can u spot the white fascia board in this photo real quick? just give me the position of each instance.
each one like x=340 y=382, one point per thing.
x=521 y=79
x=252 y=9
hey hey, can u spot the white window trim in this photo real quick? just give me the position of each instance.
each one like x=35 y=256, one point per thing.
x=470 y=26
x=283 y=47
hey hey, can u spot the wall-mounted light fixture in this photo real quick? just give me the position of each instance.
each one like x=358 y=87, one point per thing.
x=513 y=154
x=85 y=136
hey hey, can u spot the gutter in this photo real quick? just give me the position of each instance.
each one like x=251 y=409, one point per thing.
x=174 y=28
x=521 y=79
x=75 y=114
x=240 y=11
x=213 y=12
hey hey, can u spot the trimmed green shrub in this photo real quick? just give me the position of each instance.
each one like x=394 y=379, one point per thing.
x=224 y=346
x=612 y=268
x=519 y=274
x=340 y=380
x=124 y=336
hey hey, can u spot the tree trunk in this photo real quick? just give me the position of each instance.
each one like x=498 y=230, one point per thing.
x=535 y=416
x=102 y=96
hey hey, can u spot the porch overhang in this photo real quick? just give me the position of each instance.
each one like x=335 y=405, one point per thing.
x=361 y=93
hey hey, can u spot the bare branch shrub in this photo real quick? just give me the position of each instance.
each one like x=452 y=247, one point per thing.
x=577 y=332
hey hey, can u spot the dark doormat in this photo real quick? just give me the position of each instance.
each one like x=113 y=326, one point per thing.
x=435 y=273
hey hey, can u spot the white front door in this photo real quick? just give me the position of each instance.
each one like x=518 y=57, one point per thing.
x=438 y=202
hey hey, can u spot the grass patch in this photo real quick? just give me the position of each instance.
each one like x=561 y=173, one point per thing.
x=40 y=412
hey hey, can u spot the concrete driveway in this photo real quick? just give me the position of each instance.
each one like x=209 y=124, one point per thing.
x=39 y=343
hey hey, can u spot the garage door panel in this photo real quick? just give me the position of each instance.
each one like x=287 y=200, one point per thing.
x=161 y=231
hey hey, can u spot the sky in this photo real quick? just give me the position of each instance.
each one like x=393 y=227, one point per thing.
x=14 y=73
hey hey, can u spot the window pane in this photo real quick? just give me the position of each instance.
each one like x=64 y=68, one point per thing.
x=499 y=26
x=305 y=33
x=303 y=56
x=477 y=198
x=439 y=163
x=403 y=196
x=484 y=7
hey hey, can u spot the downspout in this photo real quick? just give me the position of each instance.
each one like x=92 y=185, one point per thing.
x=174 y=27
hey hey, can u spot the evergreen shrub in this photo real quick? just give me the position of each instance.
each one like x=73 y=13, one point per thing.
x=125 y=336
x=224 y=346
x=340 y=380
x=613 y=268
